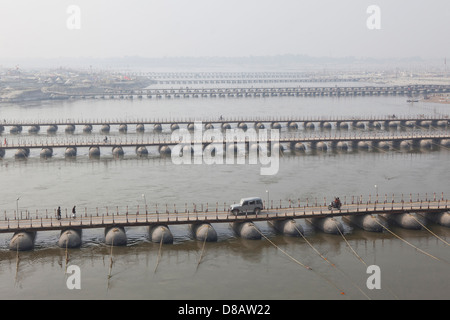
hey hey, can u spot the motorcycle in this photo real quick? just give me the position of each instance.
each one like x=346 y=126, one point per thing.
x=335 y=206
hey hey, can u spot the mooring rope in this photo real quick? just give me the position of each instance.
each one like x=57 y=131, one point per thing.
x=292 y=258
x=298 y=262
x=159 y=252
x=67 y=254
x=203 y=250
x=359 y=258
x=423 y=226
x=309 y=243
x=110 y=264
x=17 y=261
x=348 y=244
x=333 y=265
x=408 y=243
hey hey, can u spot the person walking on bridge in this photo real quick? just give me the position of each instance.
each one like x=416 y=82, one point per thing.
x=74 y=212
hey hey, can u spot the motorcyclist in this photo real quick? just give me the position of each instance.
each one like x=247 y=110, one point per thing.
x=337 y=202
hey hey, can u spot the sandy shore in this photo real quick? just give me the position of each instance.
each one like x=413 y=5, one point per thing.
x=439 y=98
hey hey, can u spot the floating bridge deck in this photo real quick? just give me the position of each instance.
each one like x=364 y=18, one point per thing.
x=391 y=123
x=44 y=221
x=426 y=140
x=298 y=91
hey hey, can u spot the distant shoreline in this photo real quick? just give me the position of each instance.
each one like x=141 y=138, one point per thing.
x=440 y=98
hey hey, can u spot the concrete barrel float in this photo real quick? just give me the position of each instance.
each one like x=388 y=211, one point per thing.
x=105 y=128
x=204 y=232
x=226 y=126
x=165 y=150
x=275 y=125
x=341 y=146
x=141 y=151
x=46 y=153
x=442 y=218
x=326 y=126
x=157 y=127
x=299 y=147
x=242 y=126
x=22 y=241
x=246 y=230
x=191 y=127
x=140 y=127
x=309 y=126
x=327 y=225
x=87 y=128
x=403 y=220
x=160 y=234
x=288 y=227
x=70 y=152
x=383 y=145
x=70 y=238
x=117 y=151
x=366 y=222
x=405 y=145
x=123 y=128
x=363 y=145
x=292 y=126
x=445 y=143
x=34 y=129
x=22 y=153
x=321 y=146
x=94 y=152
x=15 y=129
x=52 y=129
x=115 y=236
x=259 y=126
x=70 y=128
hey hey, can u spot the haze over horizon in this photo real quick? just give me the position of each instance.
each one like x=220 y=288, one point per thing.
x=219 y=28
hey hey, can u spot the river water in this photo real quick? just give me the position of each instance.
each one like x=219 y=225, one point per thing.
x=231 y=268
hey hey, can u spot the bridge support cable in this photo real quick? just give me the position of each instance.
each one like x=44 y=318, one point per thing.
x=111 y=261
x=203 y=250
x=17 y=263
x=361 y=259
x=159 y=252
x=298 y=262
x=348 y=244
x=434 y=234
x=408 y=243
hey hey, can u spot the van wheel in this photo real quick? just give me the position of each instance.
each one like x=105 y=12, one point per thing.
x=257 y=211
x=235 y=212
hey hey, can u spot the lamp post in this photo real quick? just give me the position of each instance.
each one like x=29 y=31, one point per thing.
x=267 y=191
x=376 y=188
x=17 y=206
x=145 y=200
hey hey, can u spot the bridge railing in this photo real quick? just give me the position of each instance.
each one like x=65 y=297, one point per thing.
x=158 y=139
x=100 y=121
x=358 y=203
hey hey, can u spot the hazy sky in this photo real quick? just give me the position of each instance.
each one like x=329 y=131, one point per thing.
x=158 y=28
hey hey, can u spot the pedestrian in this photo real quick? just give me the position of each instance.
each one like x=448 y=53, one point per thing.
x=73 y=212
x=58 y=213
x=6 y=143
